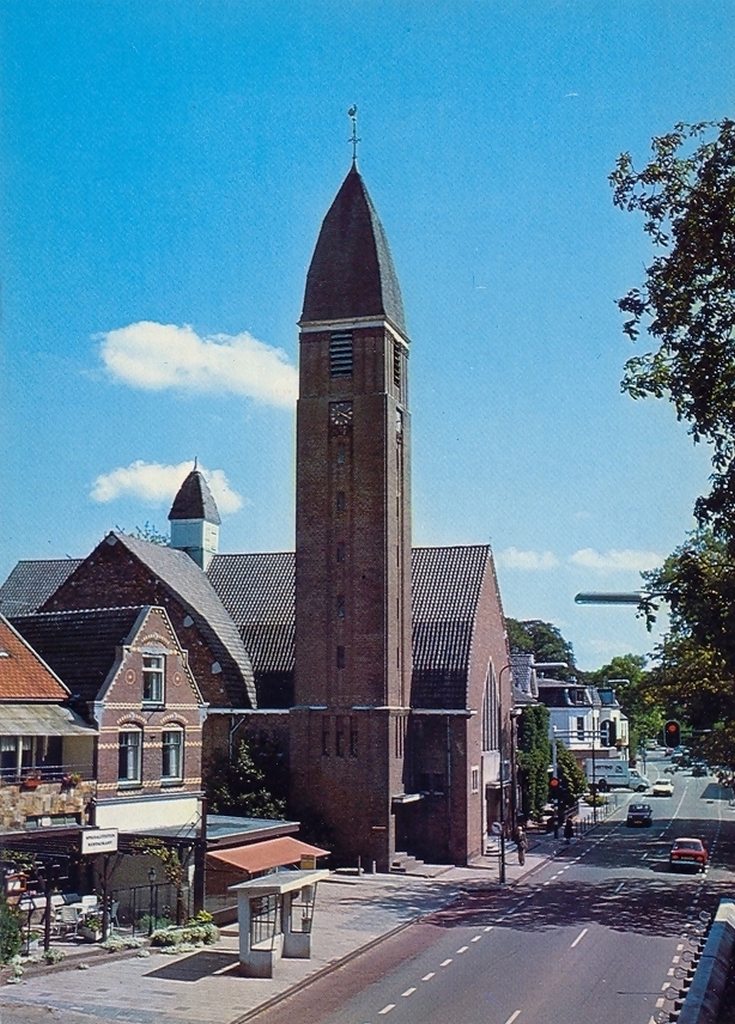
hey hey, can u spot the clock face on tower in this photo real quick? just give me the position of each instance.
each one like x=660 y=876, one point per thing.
x=340 y=414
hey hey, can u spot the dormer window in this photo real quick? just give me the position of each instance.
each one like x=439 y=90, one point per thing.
x=153 y=676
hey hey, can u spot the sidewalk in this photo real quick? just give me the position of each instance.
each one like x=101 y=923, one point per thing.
x=204 y=987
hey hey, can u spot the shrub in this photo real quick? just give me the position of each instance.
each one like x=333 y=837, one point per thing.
x=11 y=939
x=192 y=934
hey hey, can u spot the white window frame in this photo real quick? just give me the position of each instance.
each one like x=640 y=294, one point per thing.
x=134 y=756
x=175 y=749
x=154 y=676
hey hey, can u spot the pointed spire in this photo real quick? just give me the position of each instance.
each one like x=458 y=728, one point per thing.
x=352 y=273
x=194 y=500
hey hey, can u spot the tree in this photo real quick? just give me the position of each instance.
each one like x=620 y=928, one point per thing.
x=148 y=531
x=686 y=303
x=543 y=640
x=533 y=758
x=170 y=861
x=242 y=787
x=573 y=781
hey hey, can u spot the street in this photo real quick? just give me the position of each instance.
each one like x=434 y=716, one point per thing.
x=602 y=932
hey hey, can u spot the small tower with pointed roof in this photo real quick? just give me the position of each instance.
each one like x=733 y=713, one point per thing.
x=195 y=521
x=353 y=540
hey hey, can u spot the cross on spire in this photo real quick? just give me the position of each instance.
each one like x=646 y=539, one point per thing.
x=352 y=114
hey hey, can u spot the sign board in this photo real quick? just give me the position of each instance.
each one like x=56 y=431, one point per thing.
x=99 y=840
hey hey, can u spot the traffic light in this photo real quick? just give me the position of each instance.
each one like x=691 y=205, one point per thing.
x=672 y=734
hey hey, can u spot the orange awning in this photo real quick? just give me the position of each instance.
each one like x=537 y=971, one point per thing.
x=270 y=853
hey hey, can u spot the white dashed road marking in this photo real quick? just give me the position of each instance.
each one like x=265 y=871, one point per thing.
x=446 y=963
x=408 y=992
x=579 y=938
x=387 y=1009
x=428 y=977
x=513 y=1016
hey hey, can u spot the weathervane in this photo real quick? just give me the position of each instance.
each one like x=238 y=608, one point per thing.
x=352 y=113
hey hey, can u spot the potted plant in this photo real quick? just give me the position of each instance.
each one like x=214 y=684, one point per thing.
x=91 y=928
x=31 y=781
x=70 y=780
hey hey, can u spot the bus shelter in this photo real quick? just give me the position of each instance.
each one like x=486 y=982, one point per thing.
x=276 y=915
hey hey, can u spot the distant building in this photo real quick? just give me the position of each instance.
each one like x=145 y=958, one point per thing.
x=586 y=720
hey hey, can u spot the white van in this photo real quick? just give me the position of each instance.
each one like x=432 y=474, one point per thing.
x=615 y=772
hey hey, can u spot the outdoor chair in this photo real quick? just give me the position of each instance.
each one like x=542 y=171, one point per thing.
x=89 y=903
x=68 y=919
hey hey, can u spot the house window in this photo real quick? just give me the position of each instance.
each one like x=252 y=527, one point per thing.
x=397 y=367
x=341 y=501
x=130 y=749
x=172 y=754
x=340 y=552
x=340 y=657
x=153 y=669
x=8 y=756
x=580 y=728
x=340 y=354
x=339 y=738
x=340 y=606
x=475 y=780
x=353 y=737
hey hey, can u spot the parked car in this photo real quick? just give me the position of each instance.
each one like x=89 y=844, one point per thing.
x=699 y=768
x=662 y=787
x=688 y=852
x=670 y=769
x=639 y=814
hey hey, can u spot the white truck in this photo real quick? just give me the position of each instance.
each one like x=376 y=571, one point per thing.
x=615 y=772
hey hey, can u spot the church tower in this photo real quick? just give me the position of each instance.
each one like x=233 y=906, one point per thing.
x=195 y=521
x=353 y=537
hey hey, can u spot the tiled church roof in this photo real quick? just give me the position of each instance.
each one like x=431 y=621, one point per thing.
x=258 y=591
x=447 y=583
x=30 y=583
x=352 y=273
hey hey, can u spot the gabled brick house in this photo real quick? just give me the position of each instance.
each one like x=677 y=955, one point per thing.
x=129 y=675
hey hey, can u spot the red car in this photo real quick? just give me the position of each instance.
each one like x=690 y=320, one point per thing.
x=688 y=853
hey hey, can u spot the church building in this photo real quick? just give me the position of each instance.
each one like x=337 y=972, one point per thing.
x=381 y=671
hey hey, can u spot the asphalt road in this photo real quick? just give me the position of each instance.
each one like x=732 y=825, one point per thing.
x=602 y=933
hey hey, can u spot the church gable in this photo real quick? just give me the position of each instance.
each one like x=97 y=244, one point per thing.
x=125 y=570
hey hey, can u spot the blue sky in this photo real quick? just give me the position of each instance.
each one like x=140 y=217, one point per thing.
x=165 y=170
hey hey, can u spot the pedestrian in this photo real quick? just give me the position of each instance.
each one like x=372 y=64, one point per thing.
x=568 y=829
x=522 y=844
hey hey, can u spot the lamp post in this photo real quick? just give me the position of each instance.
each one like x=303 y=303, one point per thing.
x=151 y=886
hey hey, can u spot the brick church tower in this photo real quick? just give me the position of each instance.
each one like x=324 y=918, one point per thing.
x=353 y=537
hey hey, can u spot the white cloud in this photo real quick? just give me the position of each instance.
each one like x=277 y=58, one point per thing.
x=156 y=357
x=625 y=560
x=155 y=484
x=529 y=561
